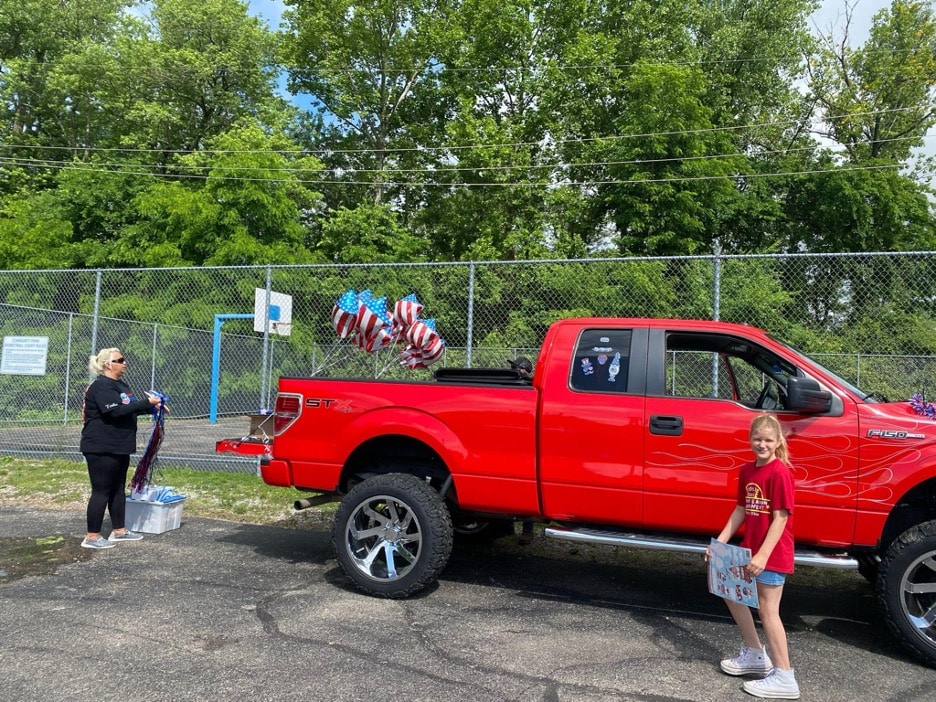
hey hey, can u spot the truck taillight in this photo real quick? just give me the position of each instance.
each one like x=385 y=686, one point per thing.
x=287 y=411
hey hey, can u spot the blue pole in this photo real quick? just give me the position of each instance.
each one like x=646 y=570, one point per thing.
x=219 y=319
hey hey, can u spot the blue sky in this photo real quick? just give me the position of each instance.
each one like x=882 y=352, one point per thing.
x=270 y=10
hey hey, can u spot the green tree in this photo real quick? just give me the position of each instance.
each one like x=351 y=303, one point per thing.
x=244 y=200
x=363 y=62
x=195 y=70
x=878 y=100
x=876 y=103
x=660 y=108
x=34 y=234
x=369 y=233
x=487 y=191
x=56 y=64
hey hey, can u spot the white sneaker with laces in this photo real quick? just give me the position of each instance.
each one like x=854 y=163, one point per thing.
x=750 y=660
x=780 y=684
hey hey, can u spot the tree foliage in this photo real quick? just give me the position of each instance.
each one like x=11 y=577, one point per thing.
x=154 y=133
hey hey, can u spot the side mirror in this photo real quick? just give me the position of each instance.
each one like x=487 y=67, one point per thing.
x=805 y=395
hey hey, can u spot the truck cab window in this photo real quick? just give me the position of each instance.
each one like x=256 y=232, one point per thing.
x=725 y=368
x=601 y=360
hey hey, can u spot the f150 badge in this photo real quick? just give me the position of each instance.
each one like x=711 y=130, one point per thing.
x=892 y=434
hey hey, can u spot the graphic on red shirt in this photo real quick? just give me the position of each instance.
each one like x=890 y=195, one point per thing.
x=755 y=501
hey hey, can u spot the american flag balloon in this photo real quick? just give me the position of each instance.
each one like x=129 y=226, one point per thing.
x=380 y=340
x=410 y=356
x=372 y=315
x=345 y=314
x=433 y=352
x=421 y=333
x=407 y=310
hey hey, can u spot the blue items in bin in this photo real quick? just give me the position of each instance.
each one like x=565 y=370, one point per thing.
x=154 y=493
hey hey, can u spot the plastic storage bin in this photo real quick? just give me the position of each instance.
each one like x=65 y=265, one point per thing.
x=153 y=517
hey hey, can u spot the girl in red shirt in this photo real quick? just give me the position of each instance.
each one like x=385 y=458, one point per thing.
x=765 y=507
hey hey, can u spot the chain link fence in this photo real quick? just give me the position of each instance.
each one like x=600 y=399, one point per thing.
x=869 y=317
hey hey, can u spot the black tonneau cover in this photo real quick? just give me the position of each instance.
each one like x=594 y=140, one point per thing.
x=480 y=376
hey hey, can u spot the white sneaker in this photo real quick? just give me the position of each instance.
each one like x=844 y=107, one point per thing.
x=780 y=684
x=750 y=660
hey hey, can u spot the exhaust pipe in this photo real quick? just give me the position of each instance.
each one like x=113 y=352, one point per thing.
x=315 y=501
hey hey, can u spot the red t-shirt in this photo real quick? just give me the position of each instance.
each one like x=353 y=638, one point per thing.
x=761 y=491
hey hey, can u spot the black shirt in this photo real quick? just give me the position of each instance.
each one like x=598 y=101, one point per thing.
x=110 y=412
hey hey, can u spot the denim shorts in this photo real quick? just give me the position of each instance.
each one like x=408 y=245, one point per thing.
x=771 y=577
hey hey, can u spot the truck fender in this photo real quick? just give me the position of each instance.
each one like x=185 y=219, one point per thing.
x=406 y=421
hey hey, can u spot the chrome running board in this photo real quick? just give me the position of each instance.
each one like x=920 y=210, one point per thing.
x=657 y=542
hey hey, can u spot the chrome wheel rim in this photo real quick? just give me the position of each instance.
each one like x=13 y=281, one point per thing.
x=384 y=538
x=918 y=596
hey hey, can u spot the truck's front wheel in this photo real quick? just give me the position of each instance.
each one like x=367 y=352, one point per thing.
x=392 y=535
x=907 y=589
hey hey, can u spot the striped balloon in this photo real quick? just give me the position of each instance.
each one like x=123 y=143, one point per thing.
x=345 y=314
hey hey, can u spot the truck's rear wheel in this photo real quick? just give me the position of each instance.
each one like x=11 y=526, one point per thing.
x=907 y=589
x=392 y=535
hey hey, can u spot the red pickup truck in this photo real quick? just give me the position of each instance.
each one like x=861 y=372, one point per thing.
x=631 y=433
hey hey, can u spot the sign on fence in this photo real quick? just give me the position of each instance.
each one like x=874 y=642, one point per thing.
x=24 y=355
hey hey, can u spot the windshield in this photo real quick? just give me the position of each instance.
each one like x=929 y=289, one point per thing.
x=867 y=397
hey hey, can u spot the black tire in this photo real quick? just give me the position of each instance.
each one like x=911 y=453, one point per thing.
x=471 y=531
x=906 y=590
x=869 y=567
x=392 y=535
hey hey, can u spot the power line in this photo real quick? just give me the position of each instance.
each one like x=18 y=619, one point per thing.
x=461 y=147
x=123 y=170
x=212 y=170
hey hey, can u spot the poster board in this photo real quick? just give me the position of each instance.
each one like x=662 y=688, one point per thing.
x=727 y=576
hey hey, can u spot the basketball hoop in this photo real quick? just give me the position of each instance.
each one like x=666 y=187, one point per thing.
x=275 y=317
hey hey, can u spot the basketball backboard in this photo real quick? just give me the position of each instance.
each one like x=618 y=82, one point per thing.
x=279 y=319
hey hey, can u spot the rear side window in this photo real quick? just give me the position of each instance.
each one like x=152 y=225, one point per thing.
x=601 y=360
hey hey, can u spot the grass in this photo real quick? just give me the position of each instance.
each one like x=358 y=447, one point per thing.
x=242 y=497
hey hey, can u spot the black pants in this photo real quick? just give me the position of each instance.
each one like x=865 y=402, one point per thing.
x=108 y=473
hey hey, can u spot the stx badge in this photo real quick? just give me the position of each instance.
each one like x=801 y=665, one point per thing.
x=339 y=405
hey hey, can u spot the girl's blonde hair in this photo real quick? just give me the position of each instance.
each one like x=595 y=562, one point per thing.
x=97 y=364
x=770 y=421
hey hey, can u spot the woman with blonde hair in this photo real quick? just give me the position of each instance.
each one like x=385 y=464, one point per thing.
x=108 y=437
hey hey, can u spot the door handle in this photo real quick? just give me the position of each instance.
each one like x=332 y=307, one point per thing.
x=666 y=425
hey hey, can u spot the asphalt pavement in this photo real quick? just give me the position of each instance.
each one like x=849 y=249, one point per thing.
x=219 y=610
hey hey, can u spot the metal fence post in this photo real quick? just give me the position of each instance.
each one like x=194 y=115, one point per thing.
x=468 y=338
x=153 y=358
x=68 y=346
x=716 y=281
x=264 y=381
x=716 y=306
x=97 y=310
